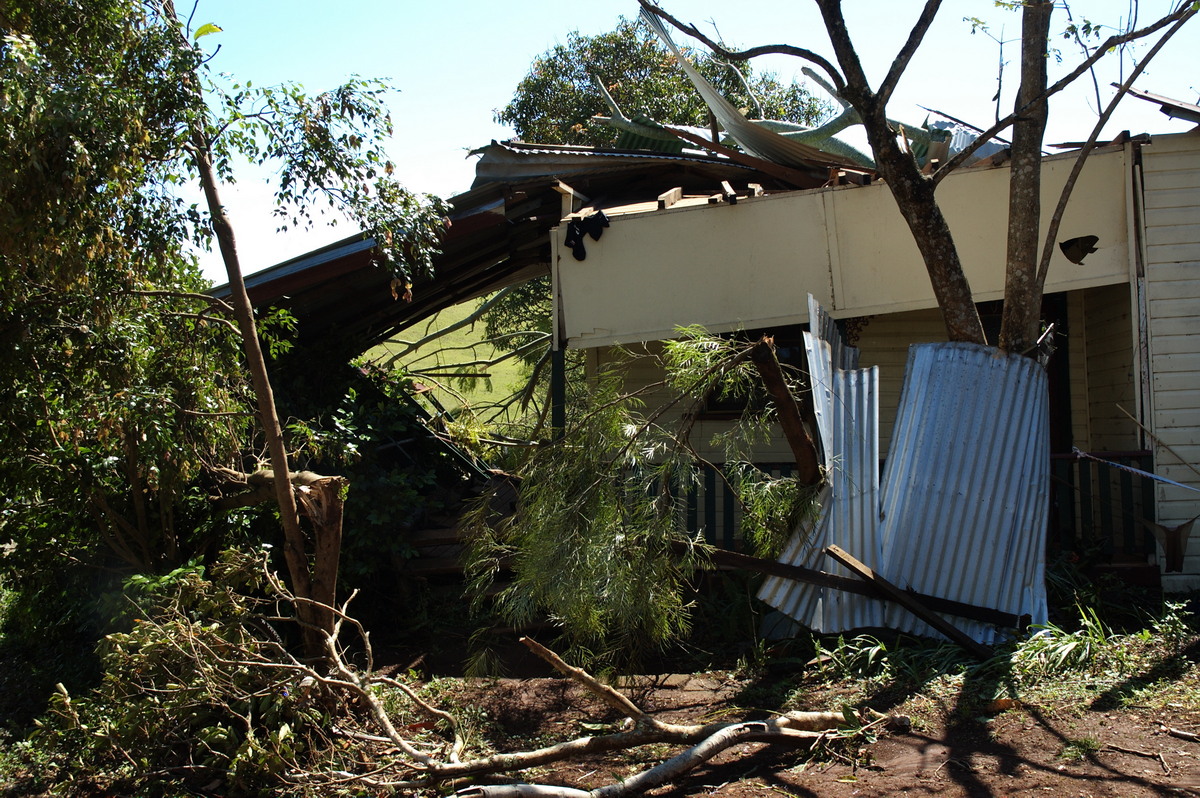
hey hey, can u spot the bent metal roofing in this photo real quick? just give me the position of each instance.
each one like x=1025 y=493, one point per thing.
x=498 y=235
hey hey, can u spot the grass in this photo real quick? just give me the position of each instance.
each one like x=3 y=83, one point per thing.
x=1064 y=671
x=1078 y=749
x=459 y=346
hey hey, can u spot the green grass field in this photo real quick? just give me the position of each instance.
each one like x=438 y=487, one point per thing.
x=433 y=363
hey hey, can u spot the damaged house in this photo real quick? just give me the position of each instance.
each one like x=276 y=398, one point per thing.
x=1122 y=380
x=817 y=254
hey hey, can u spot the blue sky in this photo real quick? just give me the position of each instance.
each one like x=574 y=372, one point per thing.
x=454 y=62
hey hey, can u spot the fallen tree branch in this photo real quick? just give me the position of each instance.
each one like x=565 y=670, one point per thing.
x=394 y=753
x=1148 y=754
x=808 y=468
x=656 y=776
x=606 y=694
x=1184 y=735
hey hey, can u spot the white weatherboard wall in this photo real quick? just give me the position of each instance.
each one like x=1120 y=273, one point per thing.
x=754 y=263
x=1171 y=181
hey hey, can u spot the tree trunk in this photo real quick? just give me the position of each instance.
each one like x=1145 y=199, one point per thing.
x=294 y=545
x=914 y=195
x=804 y=451
x=323 y=501
x=1022 y=292
x=913 y=191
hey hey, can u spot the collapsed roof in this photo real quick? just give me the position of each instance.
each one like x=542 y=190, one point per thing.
x=499 y=234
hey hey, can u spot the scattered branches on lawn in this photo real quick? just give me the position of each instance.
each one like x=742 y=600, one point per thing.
x=202 y=691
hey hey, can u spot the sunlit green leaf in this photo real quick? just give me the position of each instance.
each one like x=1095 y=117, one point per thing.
x=205 y=30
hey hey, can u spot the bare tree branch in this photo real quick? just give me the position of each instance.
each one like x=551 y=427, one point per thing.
x=915 y=36
x=856 y=89
x=745 y=55
x=212 y=300
x=1077 y=168
x=1184 y=11
x=608 y=695
x=804 y=452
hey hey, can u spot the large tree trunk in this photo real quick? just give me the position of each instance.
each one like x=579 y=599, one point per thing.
x=913 y=191
x=1022 y=291
x=323 y=500
x=914 y=195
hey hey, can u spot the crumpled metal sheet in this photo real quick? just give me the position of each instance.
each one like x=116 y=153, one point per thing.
x=755 y=140
x=846 y=404
x=961 y=509
x=966 y=485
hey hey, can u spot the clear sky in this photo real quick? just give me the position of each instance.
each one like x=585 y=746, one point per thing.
x=454 y=62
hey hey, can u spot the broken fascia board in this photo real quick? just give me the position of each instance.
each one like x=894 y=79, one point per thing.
x=760 y=258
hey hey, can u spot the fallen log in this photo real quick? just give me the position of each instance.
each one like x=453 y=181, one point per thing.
x=799 y=573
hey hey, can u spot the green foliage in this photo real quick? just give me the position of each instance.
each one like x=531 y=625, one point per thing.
x=121 y=385
x=200 y=695
x=555 y=101
x=772 y=507
x=1092 y=647
x=90 y=106
x=701 y=365
x=328 y=150
x=1053 y=650
x=598 y=541
x=592 y=539
x=861 y=657
x=117 y=404
x=188 y=695
x=400 y=474
x=1079 y=748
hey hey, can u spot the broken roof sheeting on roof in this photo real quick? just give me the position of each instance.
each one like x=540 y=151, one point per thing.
x=755 y=140
x=1176 y=109
x=499 y=235
x=514 y=162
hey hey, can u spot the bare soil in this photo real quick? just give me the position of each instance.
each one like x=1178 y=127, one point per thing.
x=1109 y=743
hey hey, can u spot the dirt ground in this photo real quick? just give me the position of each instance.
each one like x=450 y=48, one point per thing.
x=1008 y=748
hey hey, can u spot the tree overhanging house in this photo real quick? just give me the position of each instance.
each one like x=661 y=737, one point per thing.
x=740 y=244
x=1123 y=380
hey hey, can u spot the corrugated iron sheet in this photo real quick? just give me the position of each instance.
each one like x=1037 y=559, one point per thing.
x=965 y=490
x=846 y=403
x=961 y=509
x=825 y=328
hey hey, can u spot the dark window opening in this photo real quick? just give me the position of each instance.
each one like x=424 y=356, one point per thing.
x=789 y=349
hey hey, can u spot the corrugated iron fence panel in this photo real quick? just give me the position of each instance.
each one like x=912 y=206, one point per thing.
x=821 y=383
x=825 y=329
x=846 y=405
x=854 y=485
x=965 y=489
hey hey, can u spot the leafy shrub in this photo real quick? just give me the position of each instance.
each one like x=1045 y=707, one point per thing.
x=191 y=697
